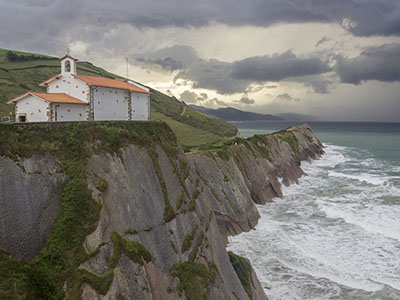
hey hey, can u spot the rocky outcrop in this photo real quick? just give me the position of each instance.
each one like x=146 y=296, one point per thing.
x=29 y=206
x=250 y=172
x=165 y=216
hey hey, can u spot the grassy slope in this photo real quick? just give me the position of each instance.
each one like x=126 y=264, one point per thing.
x=192 y=128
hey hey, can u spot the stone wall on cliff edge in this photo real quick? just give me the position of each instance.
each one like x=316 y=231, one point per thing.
x=212 y=195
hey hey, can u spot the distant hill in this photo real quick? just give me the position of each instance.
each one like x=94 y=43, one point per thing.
x=298 y=117
x=233 y=114
x=23 y=71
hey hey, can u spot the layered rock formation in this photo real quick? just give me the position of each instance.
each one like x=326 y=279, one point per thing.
x=165 y=215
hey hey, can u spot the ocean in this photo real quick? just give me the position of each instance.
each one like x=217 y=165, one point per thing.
x=335 y=235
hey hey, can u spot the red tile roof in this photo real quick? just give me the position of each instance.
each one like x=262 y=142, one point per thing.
x=111 y=83
x=52 y=97
x=44 y=83
x=75 y=59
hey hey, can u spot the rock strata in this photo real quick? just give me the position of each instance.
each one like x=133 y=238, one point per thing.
x=171 y=211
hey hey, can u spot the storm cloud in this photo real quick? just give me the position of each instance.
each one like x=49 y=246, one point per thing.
x=45 y=24
x=235 y=77
x=230 y=46
x=380 y=63
x=277 y=67
x=246 y=100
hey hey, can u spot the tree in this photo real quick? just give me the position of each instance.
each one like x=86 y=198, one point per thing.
x=11 y=56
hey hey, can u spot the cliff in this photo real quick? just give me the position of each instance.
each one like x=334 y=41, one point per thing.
x=118 y=211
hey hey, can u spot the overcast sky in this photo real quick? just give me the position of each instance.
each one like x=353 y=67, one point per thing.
x=336 y=59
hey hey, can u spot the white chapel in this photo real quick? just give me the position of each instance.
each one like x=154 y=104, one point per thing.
x=73 y=97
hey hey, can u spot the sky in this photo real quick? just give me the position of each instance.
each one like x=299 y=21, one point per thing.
x=334 y=59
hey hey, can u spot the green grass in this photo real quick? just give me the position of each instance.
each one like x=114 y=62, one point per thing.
x=185 y=114
x=134 y=250
x=101 y=184
x=242 y=268
x=187 y=135
x=191 y=127
x=288 y=137
x=187 y=242
x=101 y=283
x=194 y=279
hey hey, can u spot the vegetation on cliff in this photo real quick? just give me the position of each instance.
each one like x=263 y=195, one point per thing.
x=243 y=269
x=193 y=279
x=54 y=273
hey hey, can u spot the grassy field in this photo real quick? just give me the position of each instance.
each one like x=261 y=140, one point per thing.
x=191 y=127
x=188 y=136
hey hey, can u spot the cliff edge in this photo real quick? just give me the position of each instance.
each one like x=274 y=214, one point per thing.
x=117 y=210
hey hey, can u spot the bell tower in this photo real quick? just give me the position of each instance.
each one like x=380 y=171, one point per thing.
x=68 y=64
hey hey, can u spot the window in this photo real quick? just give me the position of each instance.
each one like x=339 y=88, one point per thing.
x=67 y=66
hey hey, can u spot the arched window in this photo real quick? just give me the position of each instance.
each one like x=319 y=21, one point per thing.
x=67 y=66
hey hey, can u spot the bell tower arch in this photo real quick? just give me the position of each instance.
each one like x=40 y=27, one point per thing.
x=68 y=64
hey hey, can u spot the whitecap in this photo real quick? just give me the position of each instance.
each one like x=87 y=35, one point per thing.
x=362 y=177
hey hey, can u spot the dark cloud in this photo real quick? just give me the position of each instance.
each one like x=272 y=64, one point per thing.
x=207 y=74
x=321 y=41
x=320 y=86
x=192 y=97
x=246 y=100
x=285 y=98
x=201 y=99
x=214 y=75
x=277 y=67
x=166 y=63
x=359 y=17
x=48 y=25
x=236 y=77
x=180 y=55
x=380 y=63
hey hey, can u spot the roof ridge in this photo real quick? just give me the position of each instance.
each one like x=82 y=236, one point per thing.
x=110 y=82
x=68 y=98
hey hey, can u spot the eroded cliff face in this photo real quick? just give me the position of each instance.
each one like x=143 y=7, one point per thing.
x=29 y=206
x=165 y=216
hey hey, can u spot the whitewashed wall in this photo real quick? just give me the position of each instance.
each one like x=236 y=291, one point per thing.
x=34 y=108
x=140 y=107
x=64 y=112
x=68 y=84
x=72 y=64
x=110 y=104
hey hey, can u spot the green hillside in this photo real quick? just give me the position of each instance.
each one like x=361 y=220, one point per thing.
x=26 y=70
